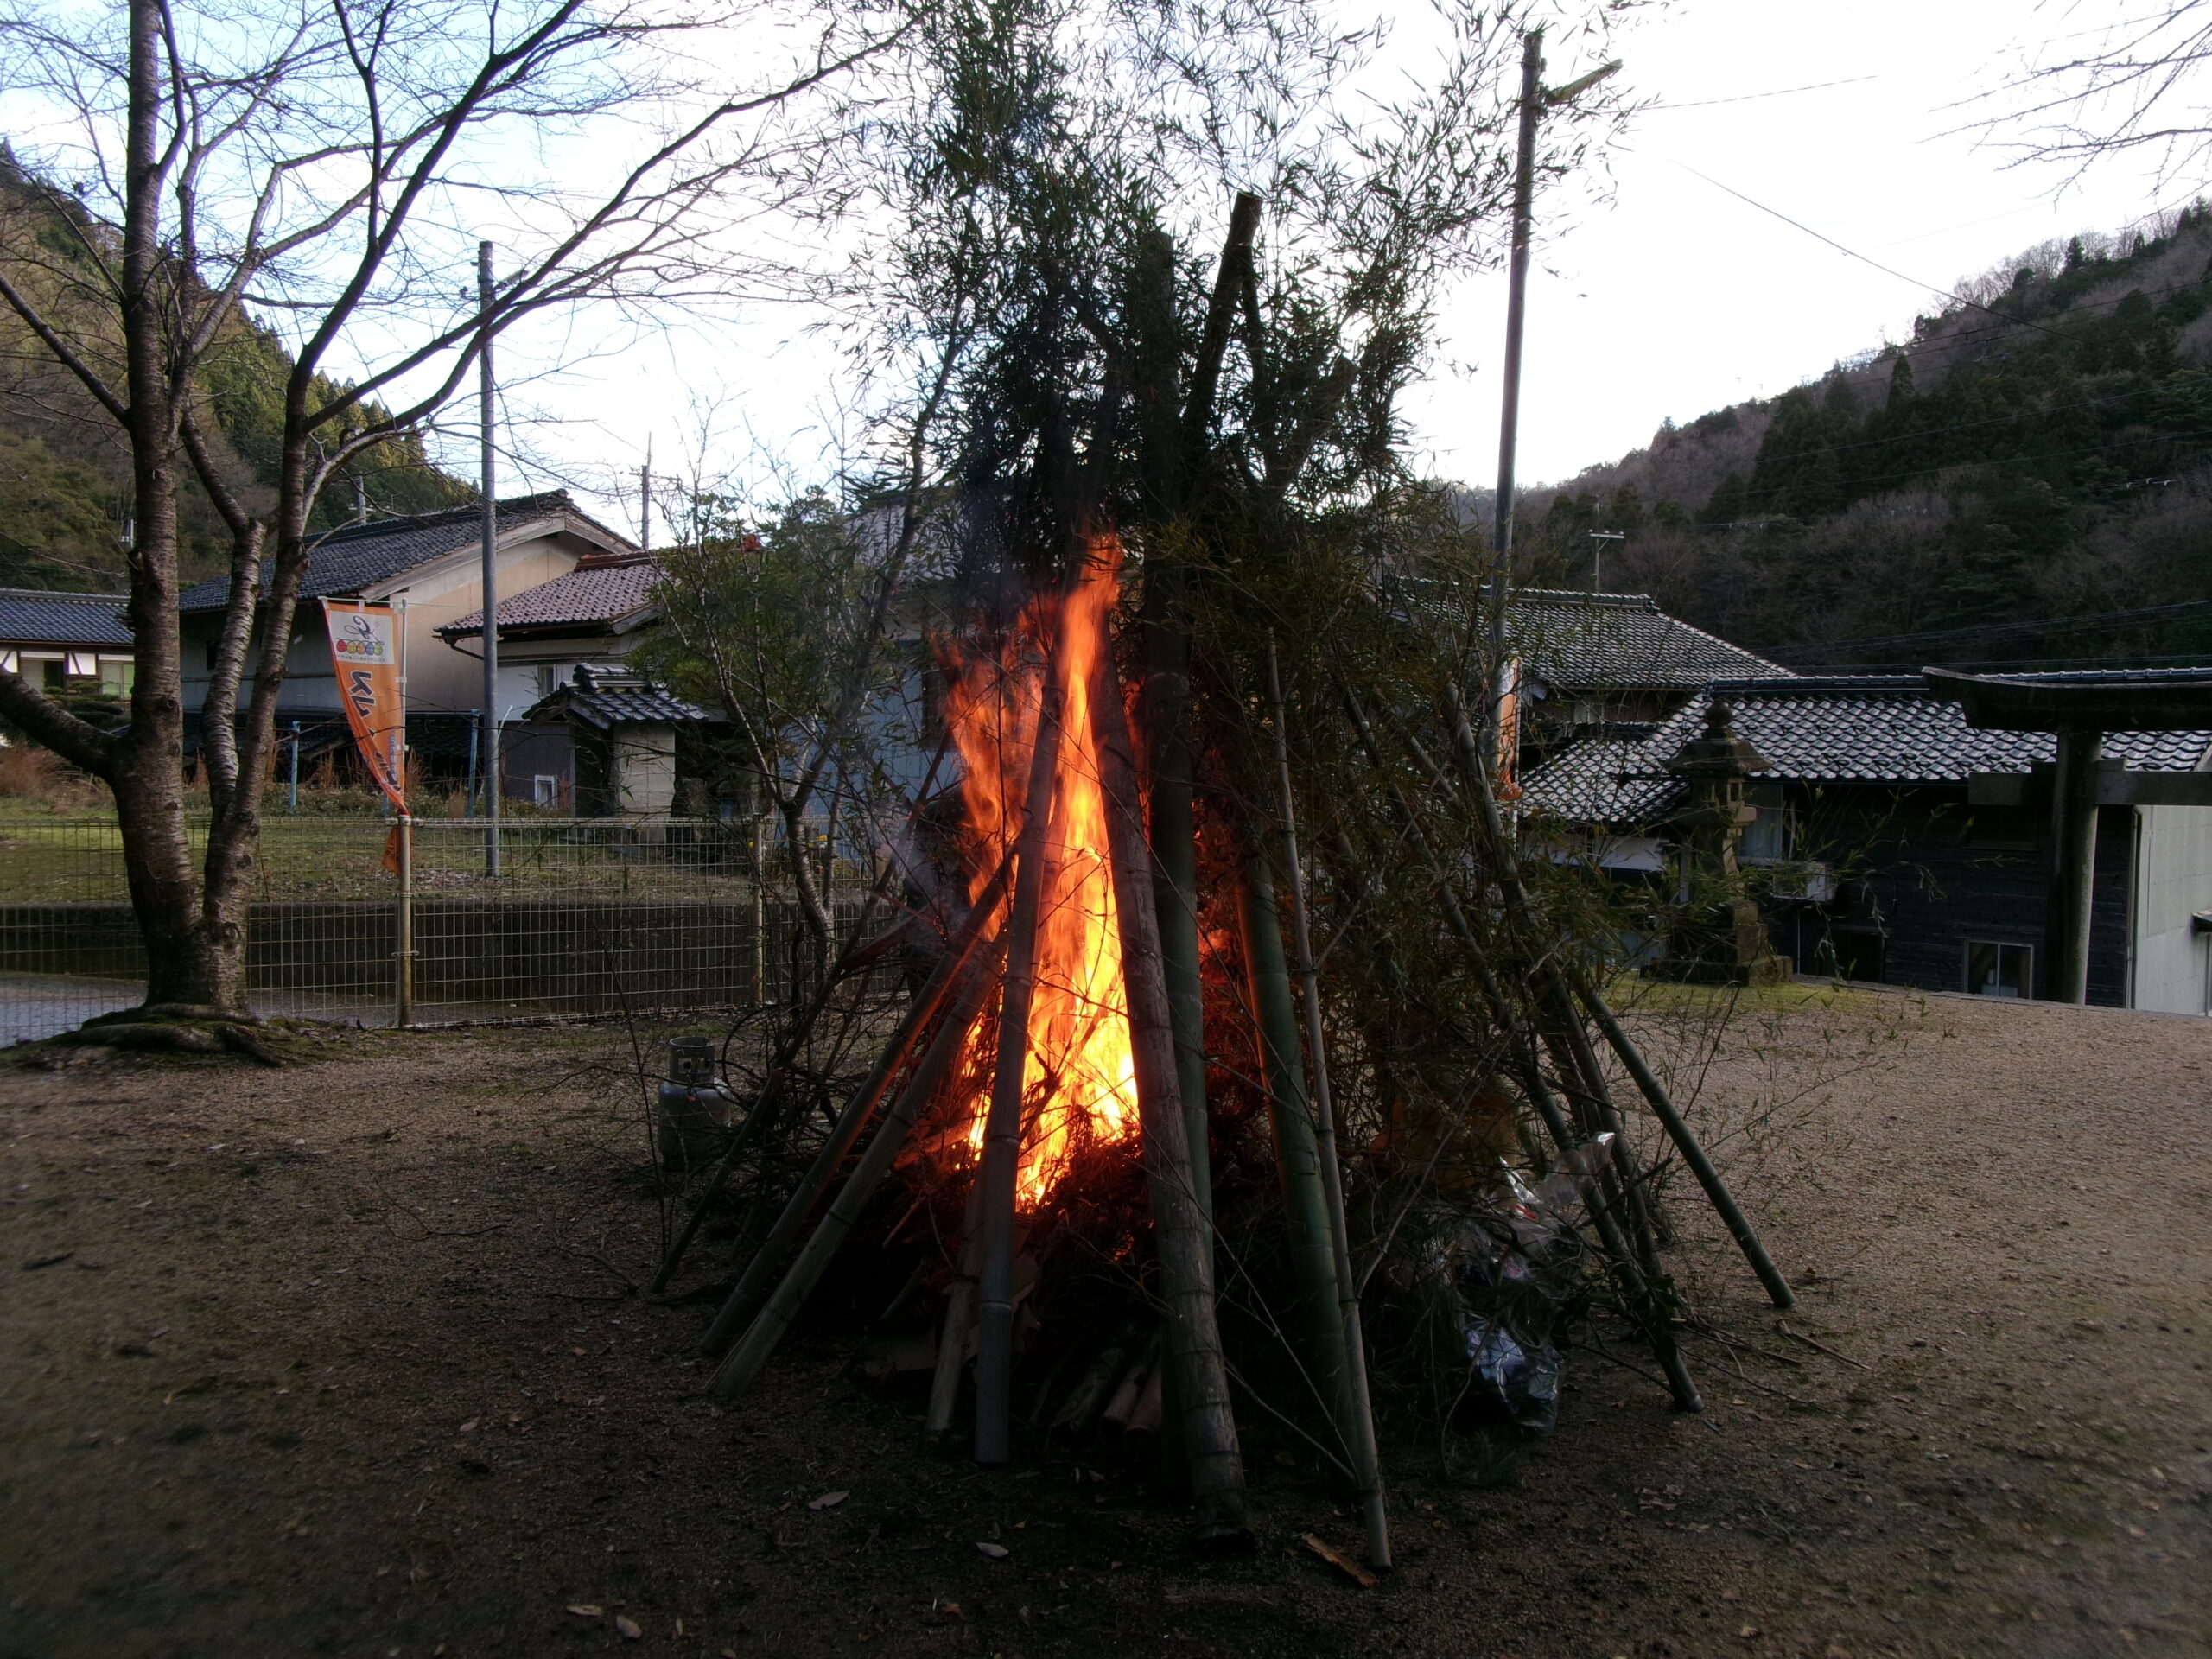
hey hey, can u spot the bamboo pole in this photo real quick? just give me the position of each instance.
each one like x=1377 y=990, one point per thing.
x=1655 y=1093
x=959 y=1322
x=1693 y=1151
x=1636 y=1290
x=1367 y=1462
x=1298 y=1159
x=1001 y=1167
x=1172 y=763
x=743 y=1362
x=768 y=1260
x=1198 y=1376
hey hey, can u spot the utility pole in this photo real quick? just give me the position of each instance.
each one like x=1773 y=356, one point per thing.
x=1598 y=540
x=646 y=500
x=1517 y=308
x=489 y=743
x=1535 y=98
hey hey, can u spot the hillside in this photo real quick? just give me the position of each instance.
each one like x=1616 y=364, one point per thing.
x=64 y=472
x=2038 y=457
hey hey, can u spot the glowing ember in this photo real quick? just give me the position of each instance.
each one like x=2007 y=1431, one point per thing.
x=1079 y=1083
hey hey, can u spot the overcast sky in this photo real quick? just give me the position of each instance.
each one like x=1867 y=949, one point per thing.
x=1672 y=298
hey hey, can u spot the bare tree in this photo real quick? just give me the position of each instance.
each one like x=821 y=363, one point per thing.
x=318 y=167
x=2136 y=89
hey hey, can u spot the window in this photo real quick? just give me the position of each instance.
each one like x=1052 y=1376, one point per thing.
x=1768 y=838
x=2000 y=970
x=544 y=790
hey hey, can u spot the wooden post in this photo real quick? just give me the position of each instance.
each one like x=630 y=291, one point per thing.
x=999 y=1170
x=1367 y=1459
x=2072 y=866
x=1298 y=1159
x=1198 y=1374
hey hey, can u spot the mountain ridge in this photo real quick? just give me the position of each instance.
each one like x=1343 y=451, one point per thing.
x=2037 y=454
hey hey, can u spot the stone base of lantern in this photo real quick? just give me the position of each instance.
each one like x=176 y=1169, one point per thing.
x=1729 y=948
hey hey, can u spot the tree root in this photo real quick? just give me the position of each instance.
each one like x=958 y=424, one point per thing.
x=139 y=1034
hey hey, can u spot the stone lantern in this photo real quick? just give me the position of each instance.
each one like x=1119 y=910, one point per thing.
x=1722 y=944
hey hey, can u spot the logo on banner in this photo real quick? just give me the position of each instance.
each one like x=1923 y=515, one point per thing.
x=365 y=653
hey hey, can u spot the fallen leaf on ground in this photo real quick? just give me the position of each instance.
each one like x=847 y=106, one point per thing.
x=1344 y=1563
x=38 y=1262
x=627 y=1628
x=827 y=1500
x=1748 y=1631
x=585 y=1610
x=994 y=1551
x=469 y=1427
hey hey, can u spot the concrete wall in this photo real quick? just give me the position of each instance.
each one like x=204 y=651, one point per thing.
x=2173 y=882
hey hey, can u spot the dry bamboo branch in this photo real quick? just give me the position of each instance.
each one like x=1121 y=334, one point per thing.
x=1000 y=1168
x=768 y=1260
x=1366 y=1457
x=1685 y=1142
x=743 y=1362
x=1636 y=1290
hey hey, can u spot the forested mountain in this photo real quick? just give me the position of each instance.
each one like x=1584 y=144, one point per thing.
x=65 y=476
x=2027 y=463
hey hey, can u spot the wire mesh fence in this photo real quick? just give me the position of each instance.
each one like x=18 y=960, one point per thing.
x=585 y=917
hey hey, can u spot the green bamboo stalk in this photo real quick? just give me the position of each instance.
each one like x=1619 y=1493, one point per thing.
x=1198 y=1374
x=1366 y=1456
x=1298 y=1159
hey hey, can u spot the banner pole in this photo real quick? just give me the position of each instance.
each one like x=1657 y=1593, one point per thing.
x=405 y=930
x=403 y=1016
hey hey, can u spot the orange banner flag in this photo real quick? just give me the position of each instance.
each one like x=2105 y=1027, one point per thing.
x=1509 y=731
x=364 y=648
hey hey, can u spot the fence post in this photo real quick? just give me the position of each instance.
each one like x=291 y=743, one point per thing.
x=404 y=929
x=759 y=918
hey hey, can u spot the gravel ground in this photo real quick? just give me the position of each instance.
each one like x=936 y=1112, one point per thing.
x=347 y=1358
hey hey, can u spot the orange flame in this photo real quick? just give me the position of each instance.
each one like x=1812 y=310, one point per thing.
x=1080 y=1082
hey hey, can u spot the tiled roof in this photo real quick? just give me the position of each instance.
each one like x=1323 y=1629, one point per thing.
x=1601 y=641
x=1846 y=729
x=609 y=700
x=31 y=616
x=600 y=591
x=355 y=557
x=605 y=708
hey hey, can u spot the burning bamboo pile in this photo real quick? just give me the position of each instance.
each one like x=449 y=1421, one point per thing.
x=1263 y=1062
x=1371 y=1077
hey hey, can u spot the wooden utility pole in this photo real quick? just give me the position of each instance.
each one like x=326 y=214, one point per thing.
x=1535 y=98
x=489 y=460
x=1517 y=311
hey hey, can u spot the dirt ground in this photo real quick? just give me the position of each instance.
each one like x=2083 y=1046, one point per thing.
x=344 y=1359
